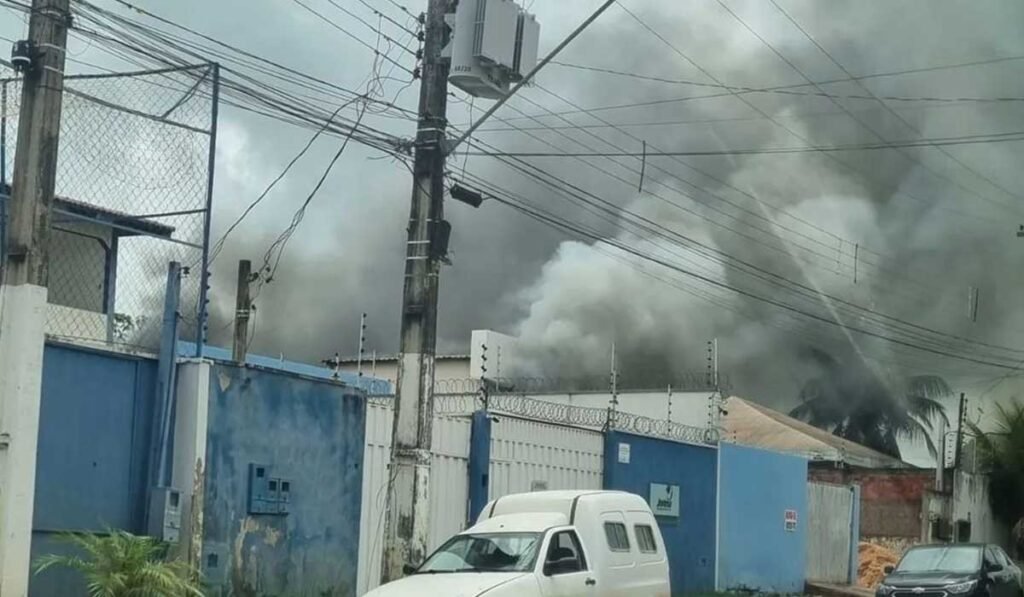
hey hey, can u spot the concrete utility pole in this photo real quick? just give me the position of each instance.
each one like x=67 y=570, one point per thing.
x=408 y=511
x=23 y=294
x=243 y=310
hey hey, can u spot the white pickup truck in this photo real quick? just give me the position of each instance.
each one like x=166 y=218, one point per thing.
x=548 y=544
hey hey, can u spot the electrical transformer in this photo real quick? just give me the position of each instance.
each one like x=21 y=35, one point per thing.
x=493 y=45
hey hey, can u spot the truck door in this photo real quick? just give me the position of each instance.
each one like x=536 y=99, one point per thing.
x=566 y=572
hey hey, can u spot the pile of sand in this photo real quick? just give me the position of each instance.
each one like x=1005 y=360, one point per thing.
x=873 y=560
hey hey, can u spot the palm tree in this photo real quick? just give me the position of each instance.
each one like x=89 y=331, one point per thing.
x=119 y=564
x=853 y=403
x=1001 y=451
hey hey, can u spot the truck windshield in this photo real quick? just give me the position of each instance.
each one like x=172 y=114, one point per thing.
x=498 y=552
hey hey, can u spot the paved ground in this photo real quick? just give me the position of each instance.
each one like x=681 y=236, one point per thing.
x=829 y=590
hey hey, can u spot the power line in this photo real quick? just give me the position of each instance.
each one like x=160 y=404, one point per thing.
x=268 y=271
x=616 y=211
x=376 y=30
x=682 y=208
x=348 y=33
x=715 y=300
x=904 y=72
x=860 y=122
x=293 y=107
x=387 y=18
x=935 y=142
x=758 y=200
x=746 y=267
x=275 y=66
x=754 y=107
x=789 y=89
x=691 y=121
x=403 y=8
x=219 y=245
x=882 y=102
x=710 y=206
x=718 y=196
x=568 y=226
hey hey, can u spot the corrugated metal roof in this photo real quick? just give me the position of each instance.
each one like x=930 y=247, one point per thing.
x=757 y=425
x=102 y=214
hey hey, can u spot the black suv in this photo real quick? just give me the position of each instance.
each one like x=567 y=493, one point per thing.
x=961 y=570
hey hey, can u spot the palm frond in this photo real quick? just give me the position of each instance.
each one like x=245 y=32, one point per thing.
x=928 y=386
x=119 y=564
x=48 y=561
x=1002 y=451
x=926 y=408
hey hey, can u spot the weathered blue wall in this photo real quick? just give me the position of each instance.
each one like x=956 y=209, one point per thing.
x=310 y=432
x=94 y=428
x=690 y=539
x=756 y=552
x=479 y=464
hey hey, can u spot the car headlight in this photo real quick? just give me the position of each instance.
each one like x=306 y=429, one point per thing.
x=884 y=589
x=961 y=588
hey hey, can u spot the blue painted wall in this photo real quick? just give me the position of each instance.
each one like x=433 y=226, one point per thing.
x=373 y=385
x=479 y=464
x=755 y=550
x=690 y=539
x=310 y=432
x=94 y=428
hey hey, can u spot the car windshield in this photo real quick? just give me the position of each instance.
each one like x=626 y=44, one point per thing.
x=498 y=552
x=941 y=559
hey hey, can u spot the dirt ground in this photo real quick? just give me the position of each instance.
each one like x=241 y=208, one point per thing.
x=873 y=560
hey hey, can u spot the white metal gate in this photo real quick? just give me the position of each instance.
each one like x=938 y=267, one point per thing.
x=449 y=484
x=829 y=532
x=532 y=456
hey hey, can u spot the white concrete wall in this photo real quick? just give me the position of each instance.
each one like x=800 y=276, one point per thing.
x=188 y=472
x=970 y=502
x=501 y=353
x=21 y=364
x=688 y=408
x=444 y=369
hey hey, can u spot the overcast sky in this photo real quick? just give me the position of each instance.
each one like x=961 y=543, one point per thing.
x=925 y=225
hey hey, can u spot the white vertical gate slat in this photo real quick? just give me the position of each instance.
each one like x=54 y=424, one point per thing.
x=829 y=526
x=449 y=487
x=527 y=453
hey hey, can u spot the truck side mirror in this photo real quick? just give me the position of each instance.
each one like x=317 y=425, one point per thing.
x=994 y=568
x=409 y=569
x=888 y=569
x=563 y=566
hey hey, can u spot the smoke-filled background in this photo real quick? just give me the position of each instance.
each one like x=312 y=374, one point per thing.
x=905 y=233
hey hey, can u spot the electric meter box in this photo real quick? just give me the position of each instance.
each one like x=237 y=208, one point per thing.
x=165 y=514
x=492 y=42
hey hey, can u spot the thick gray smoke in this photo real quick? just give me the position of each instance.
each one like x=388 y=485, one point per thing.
x=569 y=300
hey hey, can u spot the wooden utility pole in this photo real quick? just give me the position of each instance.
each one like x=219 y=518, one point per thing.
x=408 y=511
x=243 y=310
x=23 y=293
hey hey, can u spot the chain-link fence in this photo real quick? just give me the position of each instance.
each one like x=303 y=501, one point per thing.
x=132 y=194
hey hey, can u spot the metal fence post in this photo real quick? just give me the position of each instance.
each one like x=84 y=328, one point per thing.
x=204 y=282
